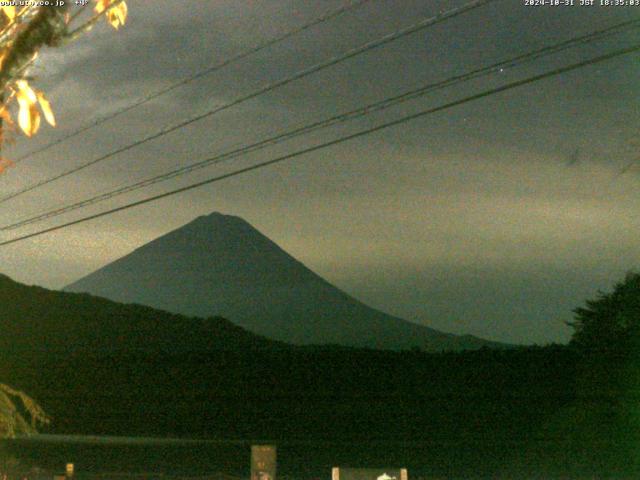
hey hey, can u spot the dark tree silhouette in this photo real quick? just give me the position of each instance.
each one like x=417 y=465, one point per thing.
x=610 y=323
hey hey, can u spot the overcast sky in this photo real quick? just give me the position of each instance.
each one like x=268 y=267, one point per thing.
x=494 y=218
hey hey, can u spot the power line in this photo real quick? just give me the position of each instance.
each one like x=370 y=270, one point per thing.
x=337 y=141
x=362 y=111
x=212 y=69
x=423 y=24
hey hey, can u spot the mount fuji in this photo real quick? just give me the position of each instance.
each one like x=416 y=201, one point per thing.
x=221 y=265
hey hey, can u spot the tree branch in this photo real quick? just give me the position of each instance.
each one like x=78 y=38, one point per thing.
x=47 y=28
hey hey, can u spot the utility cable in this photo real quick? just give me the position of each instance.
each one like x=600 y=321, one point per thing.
x=212 y=69
x=337 y=119
x=423 y=24
x=337 y=141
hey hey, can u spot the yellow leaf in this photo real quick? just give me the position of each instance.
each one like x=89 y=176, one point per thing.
x=116 y=14
x=26 y=92
x=46 y=109
x=10 y=12
x=101 y=5
x=35 y=118
x=28 y=118
x=28 y=115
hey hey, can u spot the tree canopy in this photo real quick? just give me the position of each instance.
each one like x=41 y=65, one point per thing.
x=611 y=322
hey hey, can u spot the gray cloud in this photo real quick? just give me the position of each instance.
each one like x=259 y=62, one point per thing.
x=468 y=220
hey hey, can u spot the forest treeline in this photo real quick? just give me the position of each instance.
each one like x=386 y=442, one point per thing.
x=555 y=407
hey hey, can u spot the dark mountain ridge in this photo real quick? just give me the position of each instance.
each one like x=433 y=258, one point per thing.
x=35 y=319
x=220 y=265
x=98 y=367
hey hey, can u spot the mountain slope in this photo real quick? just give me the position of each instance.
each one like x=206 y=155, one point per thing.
x=36 y=320
x=220 y=265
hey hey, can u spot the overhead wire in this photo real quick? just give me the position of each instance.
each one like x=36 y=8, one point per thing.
x=201 y=73
x=368 y=46
x=340 y=140
x=337 y=119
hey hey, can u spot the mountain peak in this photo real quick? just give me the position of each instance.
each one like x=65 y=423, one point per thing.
x=219 y=264
x=219 y=216
x=217 y=219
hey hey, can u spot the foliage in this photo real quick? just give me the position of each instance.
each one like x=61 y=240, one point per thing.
x=24 y=31
x=12 y=419
x=610 y=323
